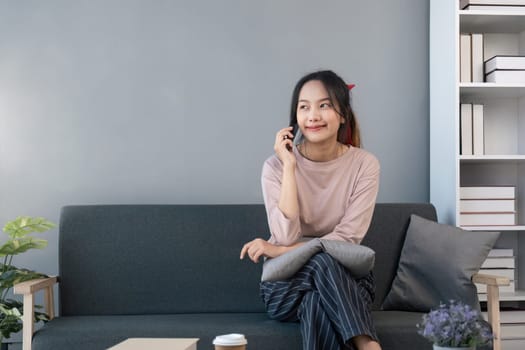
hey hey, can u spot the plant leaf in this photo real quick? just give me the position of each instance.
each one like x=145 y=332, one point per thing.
x=19 y=242
x=10 y=278
x=11 y=312
x=24 y=225
x=13 y=276
x=20 y=245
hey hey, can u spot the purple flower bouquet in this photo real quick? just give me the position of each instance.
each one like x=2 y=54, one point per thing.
x=455 y=325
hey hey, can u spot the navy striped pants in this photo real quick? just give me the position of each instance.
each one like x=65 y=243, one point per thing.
x=330 y=304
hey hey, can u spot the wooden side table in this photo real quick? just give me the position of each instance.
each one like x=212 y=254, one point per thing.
x=157 y=344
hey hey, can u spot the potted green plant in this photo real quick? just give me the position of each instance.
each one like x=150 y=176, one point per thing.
x=455 y=326
x=19 y=241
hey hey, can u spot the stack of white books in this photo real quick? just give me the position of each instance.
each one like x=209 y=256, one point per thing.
x=487 y=206
x=505 y=69
x=500 y=262
x=512 y=327
x=493 y=5
x=471 y=58
x=472 y=129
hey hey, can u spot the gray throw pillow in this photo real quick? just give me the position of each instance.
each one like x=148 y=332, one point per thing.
x=286 y=265
x=436 y=265
x=357 y=259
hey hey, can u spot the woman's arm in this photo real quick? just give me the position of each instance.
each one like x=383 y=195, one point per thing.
x=259 y=247
x=285 y=230
x=360 y=208
x=280 y=199
x=288 y=203
x=279 y=188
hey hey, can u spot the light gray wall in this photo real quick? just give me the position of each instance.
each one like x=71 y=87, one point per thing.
x=443 y=105
x=129 y=101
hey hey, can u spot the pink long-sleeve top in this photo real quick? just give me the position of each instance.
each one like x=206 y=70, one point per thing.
x=336 y=198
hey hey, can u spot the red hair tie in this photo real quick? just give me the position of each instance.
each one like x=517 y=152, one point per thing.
x=350 y=86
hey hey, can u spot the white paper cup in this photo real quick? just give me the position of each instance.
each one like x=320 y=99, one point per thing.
x=233 y=341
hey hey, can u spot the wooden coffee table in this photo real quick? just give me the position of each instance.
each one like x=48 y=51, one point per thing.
x=157 y=344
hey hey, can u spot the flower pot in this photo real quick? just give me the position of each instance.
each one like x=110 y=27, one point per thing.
x=436 y=347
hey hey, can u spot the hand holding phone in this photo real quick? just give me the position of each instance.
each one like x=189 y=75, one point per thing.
x=283 y=146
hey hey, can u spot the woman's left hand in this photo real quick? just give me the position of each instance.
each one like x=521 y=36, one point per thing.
x=259 y=247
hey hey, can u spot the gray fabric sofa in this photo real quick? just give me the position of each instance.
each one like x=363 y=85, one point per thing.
x=174 y=271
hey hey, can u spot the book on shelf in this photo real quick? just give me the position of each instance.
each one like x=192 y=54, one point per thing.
x=478 y=134
x=508 y=273
x=509 y=315
x=512 y=344
x=499 y=263
x=487 y=192
x=465 y=3
x=506 y=76
x=465 y=60
x=486 y=205
x=512 y=331
x=510 y=9
x=482 y=288
x=477 y=57
x=500 y=252
x=466 y=128
x=504 y=62
x=487 y=219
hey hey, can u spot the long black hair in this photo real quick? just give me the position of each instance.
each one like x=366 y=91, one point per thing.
x=339 y=94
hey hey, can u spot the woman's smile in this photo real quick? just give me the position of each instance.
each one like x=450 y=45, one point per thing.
x=315 y=128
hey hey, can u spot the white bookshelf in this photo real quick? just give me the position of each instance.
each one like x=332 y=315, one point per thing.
x=490 y=22
x=492 y=158
x=491 y=90
x=504 y=120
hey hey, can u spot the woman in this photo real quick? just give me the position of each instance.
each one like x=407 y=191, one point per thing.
x=325 y=187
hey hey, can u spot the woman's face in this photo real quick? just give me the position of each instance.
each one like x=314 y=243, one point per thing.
x=316 y=116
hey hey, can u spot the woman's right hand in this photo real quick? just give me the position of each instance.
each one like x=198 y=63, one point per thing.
x=259 y=247
x=284 y=138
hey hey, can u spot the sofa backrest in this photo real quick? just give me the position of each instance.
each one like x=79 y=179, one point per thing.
x=158 y=259
x=161 y=259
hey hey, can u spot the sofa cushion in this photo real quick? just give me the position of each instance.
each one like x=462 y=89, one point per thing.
x=396 y=330
x=101 y=332
x=436 y=265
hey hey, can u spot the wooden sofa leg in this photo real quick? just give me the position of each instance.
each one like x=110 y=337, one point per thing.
x=493 y=313
x=27 y=320
x=49 y=302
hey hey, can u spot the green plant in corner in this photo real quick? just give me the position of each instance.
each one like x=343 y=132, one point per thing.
x=19 y=241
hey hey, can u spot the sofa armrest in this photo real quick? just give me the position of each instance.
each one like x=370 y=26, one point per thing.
x=493 y=283
x=28 y=290
x=490 y=280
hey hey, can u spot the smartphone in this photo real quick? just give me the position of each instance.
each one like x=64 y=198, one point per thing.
x=294 y=132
